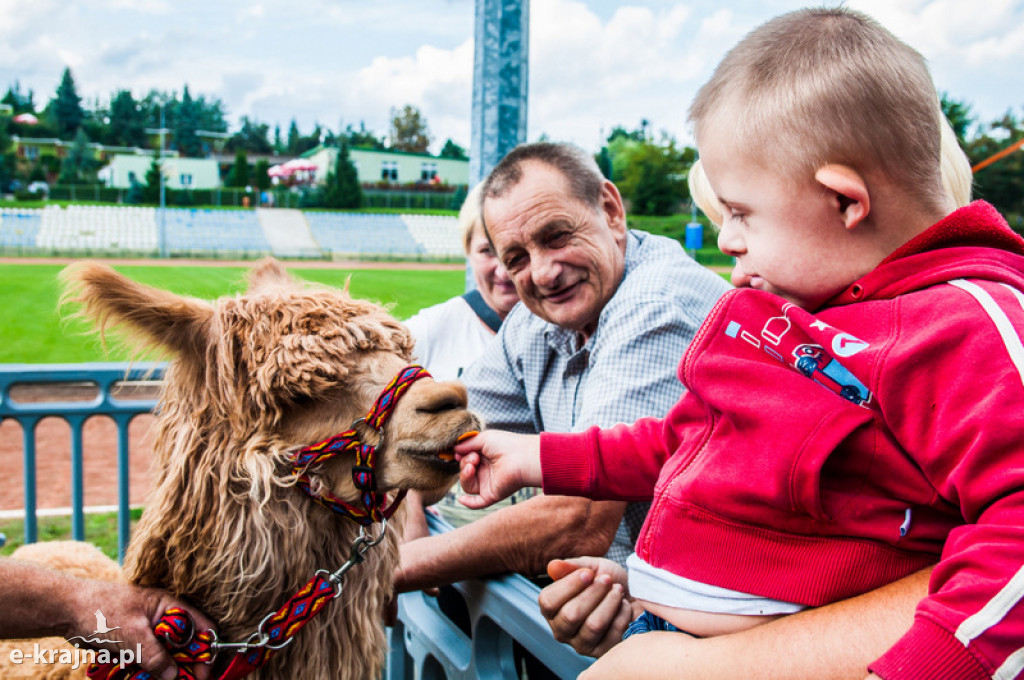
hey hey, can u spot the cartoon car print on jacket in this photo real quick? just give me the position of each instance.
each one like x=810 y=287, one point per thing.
x=816 y=364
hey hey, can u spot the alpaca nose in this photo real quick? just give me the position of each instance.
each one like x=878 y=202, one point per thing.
x=445 y=397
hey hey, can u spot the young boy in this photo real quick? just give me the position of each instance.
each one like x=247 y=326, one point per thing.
x=853 y=415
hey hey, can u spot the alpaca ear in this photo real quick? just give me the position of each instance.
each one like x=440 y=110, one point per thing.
x=156 y=316
x=269 y=273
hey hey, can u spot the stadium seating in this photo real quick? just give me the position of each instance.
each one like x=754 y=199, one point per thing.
x=19 y=227
x=439 y=235
x=363 y=234
x=205 y=231
x=134 y=230
x=98 y=228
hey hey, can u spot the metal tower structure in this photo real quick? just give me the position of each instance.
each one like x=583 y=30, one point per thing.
x=500 y=78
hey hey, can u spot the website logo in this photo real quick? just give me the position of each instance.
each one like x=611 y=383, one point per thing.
x=77 y=657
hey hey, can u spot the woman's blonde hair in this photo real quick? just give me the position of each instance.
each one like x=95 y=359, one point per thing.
x=470 y=216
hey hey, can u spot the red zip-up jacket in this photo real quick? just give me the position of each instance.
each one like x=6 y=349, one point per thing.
x=820 y=455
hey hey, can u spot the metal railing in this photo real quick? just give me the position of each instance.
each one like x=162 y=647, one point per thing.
x=102 y=385
x=499 y=627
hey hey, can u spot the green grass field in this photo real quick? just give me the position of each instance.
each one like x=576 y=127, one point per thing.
x=33 y=329
x=100 y=530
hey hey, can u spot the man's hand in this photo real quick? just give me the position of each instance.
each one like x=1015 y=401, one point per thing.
x=136 y=610
x=495 y=464
x=587 y=606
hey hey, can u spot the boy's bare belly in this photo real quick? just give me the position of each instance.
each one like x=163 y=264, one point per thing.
x=702 y=624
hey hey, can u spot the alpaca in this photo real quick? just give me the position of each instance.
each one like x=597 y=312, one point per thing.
x=254 y=378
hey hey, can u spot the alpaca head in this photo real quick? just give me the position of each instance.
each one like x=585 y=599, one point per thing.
x=284 y=365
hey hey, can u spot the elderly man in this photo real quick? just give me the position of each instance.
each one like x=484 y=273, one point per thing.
x=606 y=315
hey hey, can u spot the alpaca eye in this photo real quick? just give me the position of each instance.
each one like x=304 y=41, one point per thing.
x=449 y=403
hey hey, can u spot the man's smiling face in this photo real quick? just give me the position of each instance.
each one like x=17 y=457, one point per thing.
x=565 y=257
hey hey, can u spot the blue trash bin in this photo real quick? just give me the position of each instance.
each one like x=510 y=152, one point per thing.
x=694 y=236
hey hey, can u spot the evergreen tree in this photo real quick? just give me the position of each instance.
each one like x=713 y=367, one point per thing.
x=20 y=103
x=293 y=139
x=127 y=126
x=362 y=137
x=278 y=142
x=67 y=107
x=342 y=189
x=453 y=150
x=151 y=189
x=78 y=163
x=238 y=175
x=261 y=177
x=185 y=137
x=252 y=136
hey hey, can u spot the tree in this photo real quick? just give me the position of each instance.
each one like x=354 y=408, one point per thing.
x=19 y=103
x=1001 y=183
x=238 y=175
x=151 y=188
x=186 y=126
x=278 y=142
x=66 y=107
x=409 y=130
x=650 y=175
x=78 y=163
x=293 y=139
x=958 y=114
x=127 y=126
x=453 y=150
x=362 y=138
x=261 y=175
x=251 y=137
x=342 y=189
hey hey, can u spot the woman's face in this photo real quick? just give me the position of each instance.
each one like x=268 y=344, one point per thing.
x=492 y=280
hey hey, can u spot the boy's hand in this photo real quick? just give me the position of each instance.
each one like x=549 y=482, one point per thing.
x=495 y=464
x=588 y=605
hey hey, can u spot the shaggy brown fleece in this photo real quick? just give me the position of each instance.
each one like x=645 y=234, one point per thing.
x=282 y=366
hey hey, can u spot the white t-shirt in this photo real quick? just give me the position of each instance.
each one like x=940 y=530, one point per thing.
x=449 y=337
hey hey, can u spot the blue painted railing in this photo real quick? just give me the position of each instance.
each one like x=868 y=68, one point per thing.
x=101 y=377
x=502 y=620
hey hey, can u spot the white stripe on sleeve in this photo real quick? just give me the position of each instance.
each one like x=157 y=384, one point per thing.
x=1003 y=324
x=994 y=610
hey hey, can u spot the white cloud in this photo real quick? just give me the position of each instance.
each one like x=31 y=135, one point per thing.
x=594 y=64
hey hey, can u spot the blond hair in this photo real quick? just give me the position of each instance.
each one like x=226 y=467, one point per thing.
x=470 y=216
x=955 y=167
x=820 y=86
x=703 y=195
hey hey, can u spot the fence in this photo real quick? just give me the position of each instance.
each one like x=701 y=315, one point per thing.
x=282 y=197
x=499 y=625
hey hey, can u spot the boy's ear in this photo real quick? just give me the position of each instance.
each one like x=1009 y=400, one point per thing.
x=849 y=189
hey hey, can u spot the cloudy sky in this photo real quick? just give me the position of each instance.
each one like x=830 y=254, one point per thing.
x=594 y=64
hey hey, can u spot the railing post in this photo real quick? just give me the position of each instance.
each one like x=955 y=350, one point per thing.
x=29 y=450
x=77 y=479
x=124 y=523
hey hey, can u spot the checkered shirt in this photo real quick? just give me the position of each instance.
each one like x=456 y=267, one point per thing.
x=537 y=377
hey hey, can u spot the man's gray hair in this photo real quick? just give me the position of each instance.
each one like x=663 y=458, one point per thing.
x=577 y=166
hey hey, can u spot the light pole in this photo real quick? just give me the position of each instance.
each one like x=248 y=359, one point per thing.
x=162 y=230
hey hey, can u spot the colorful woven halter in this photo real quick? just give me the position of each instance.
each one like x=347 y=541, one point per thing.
x=276 y=631
x=372 y=503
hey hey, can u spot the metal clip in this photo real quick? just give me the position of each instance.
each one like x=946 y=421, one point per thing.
x=357 y=554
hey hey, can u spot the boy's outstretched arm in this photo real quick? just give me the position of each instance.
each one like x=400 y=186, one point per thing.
x=495 y=464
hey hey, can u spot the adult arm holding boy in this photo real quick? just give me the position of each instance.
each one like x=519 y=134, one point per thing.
x=40 y=602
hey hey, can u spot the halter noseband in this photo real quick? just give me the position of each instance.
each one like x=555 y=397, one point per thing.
x=371 y=507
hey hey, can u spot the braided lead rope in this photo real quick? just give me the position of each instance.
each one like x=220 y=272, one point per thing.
x=275 y=632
